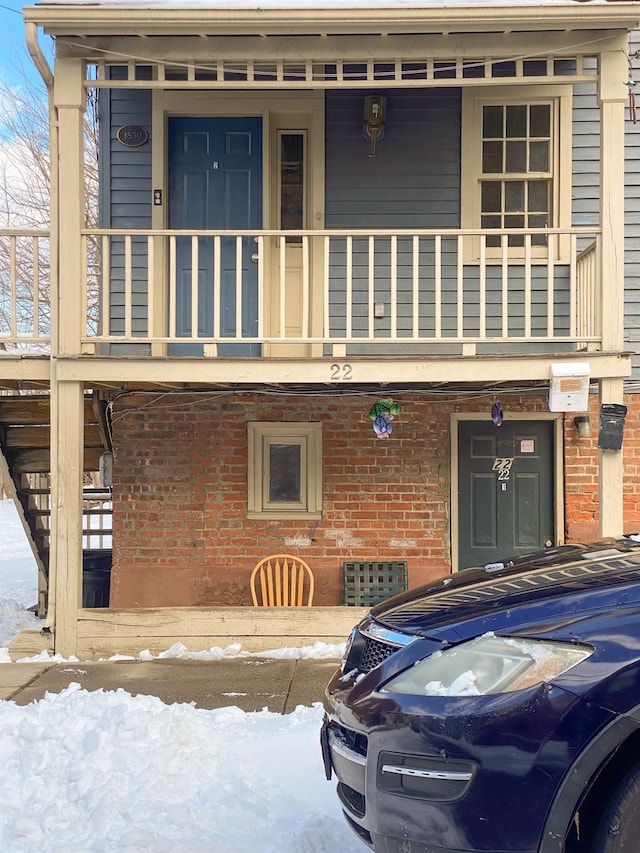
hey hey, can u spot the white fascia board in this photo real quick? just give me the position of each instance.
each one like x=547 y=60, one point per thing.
x=82 y=17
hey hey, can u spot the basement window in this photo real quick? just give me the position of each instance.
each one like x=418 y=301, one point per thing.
x=284 y=470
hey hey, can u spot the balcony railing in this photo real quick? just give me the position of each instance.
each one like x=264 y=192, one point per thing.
x=267 y=293
x=25 y=263
x=588 y=283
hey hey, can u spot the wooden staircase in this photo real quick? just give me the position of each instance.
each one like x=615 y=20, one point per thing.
x=25 y=465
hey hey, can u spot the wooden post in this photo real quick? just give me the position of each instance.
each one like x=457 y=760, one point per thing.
x=611 y=471
x=67 y=410
x=69 y=100
x=613 y=95
x=67 y=425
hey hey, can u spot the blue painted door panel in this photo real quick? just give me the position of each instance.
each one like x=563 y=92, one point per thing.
x=215 y=182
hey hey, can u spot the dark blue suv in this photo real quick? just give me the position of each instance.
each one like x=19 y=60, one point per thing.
x=496 y=710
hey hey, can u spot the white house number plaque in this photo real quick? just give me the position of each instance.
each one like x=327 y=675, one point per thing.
x=502 y=466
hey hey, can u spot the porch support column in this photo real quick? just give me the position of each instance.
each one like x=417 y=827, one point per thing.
x=611 y=504
x=613 y=96
x=69 y=100
x=67 y=425
x=67 y=409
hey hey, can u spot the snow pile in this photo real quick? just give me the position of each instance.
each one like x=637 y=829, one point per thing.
x=18 y=578
x=15 y=616
x=317 y=651
x=463 y=685
x=107 y=772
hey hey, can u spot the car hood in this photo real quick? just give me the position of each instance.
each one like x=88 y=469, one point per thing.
x=545 y=588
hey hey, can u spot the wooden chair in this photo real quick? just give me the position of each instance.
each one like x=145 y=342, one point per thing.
x=282 y=581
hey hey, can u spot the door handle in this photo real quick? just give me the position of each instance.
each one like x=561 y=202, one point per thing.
x=255 y=257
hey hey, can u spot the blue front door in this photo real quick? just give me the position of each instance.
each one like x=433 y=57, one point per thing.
x=215 y=183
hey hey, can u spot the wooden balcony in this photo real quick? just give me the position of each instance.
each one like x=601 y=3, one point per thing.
x=313 y=294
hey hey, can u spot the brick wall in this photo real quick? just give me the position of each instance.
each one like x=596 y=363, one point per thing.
x=581 y=474
x=181 y=536
x=631 y=457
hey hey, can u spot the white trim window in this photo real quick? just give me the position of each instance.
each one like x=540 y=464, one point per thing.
x=516 y=166
x=285 y=470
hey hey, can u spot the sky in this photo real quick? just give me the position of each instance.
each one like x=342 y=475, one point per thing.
x=13 y=49
x=107 y=772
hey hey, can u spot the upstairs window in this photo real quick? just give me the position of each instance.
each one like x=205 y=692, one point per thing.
x=516 y=184
x=516 y=167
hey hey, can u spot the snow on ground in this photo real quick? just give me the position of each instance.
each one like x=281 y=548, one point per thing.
x=107 y=772
x=18 y=577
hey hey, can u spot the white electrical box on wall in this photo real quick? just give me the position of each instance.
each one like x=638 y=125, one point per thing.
x=569 y=388
x=106 y=469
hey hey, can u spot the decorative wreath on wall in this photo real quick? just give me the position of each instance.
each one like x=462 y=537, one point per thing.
x=382 y=414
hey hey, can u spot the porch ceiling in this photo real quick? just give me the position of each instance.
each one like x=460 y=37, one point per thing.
x=83 y=21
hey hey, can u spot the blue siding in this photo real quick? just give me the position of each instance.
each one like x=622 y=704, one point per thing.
x=585 y=197
x=126 y=196
x=414 y=180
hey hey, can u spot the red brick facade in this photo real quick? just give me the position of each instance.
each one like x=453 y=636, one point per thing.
x=581 y=474
x=181 y=535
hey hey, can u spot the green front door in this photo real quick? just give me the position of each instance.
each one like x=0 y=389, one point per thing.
x=505 y=490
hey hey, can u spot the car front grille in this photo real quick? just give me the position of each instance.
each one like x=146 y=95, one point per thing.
x=371 y=643
x=374 y=653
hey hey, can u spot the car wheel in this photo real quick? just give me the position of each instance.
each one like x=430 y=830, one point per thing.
x=619 y=828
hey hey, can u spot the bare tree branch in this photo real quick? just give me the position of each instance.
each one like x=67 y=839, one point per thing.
x=25 y=196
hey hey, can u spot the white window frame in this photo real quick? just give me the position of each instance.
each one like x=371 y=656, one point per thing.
x=302 y=132
x=308 y=437
x=473 y=100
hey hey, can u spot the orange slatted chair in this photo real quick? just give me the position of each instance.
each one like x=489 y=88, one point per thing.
x=282 y=581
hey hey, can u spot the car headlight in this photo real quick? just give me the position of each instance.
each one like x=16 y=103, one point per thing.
x=487 y=664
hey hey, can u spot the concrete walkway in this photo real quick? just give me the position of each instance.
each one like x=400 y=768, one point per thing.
x=250 y=683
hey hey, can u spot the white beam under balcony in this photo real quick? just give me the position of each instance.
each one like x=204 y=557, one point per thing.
x=118 y=372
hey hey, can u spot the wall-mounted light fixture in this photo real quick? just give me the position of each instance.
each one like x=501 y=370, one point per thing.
x=582 y=425
x=374 y=117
